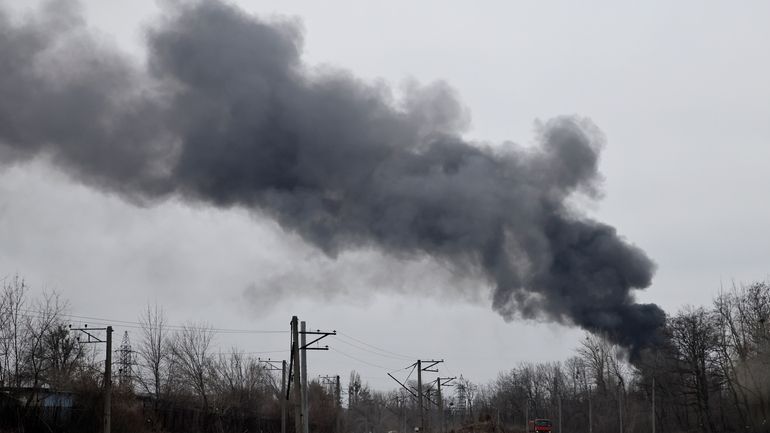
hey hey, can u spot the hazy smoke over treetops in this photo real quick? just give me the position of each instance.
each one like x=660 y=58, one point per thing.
x=226 y=113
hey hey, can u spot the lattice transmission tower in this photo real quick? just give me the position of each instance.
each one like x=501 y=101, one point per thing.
x=125 y=363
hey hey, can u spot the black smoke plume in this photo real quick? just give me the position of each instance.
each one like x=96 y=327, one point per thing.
x=225 y=112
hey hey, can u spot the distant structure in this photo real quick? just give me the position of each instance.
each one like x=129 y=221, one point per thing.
x=125 y=363
x=462 y=398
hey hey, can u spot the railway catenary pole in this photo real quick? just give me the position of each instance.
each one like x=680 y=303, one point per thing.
x=303 y=368
x=108 y=382
x=107 y=385
x=419 y=395
x=283 y=396
x=298 y=415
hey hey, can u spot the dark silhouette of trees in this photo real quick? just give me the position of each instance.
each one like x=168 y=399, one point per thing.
x=710 y=373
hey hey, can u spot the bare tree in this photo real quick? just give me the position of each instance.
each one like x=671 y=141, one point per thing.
x=242 y=384
x=44 y=321
x=695 y=335
x=192 y=360
x=595 y=353
x=14 y=333
x=64 y=355
x=154 y=350
x=741 y=315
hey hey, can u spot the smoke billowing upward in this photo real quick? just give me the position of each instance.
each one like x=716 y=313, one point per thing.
x=227 y=113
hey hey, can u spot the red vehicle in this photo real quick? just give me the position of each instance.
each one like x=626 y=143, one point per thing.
x=540 y=425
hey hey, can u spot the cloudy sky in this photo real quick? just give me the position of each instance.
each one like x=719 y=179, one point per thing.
x=679 y=90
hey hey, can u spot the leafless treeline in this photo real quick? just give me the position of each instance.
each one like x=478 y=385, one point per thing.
x=711 y=374
x=177 y=364
x=35 y=348
x=172 y=367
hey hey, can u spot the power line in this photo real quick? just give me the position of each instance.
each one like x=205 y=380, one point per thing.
x=399 y=358
x=139 y=325
x=360 y=360
x=407 y=357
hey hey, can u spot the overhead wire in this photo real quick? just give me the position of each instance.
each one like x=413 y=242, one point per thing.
x=408 y=357
x=344 y=338
x=358 y=359
x=140 y=325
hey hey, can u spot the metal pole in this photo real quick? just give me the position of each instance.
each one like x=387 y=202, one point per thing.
x=419 y=394
x=440 y=406
x=338 y=392
x=298 y=422
x=303 y=367
x=560 y=429
x=283 y=396
x=338 y=413
x=108 y=381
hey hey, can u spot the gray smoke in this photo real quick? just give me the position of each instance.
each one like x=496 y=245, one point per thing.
x=226 y=113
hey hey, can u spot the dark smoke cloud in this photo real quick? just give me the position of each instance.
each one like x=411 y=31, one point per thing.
x=226 y=113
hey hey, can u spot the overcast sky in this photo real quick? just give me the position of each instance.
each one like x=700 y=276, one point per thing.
x=680 y=90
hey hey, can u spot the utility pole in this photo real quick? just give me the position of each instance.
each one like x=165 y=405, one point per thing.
x=419 y=396
x=92 y=338
x=333 y=386
x=299 y=359
x=419 y=391
x=298 y=407
x=339 y=393
x=108 y=382
x=439 y=384
x=338 y=422
x=271 y=365
x=440 y=405
x=303 y=368
x=560 y=429
x=420 y=369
